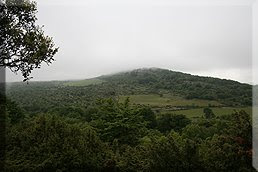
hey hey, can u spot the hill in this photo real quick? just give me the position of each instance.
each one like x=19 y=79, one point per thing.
x=164 y=125
x=160 y=81
x=156 y=87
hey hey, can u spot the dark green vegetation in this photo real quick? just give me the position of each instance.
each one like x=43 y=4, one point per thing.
x=162 y=82
x=24 y=46
x=161 y=89
x=171 y=122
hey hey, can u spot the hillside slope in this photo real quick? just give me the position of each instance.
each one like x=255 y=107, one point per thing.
x=159 y=81
x=150 y=86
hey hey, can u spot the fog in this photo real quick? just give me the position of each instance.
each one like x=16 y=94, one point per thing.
x=203 y=37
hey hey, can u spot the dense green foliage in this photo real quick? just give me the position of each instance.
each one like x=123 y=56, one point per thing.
x=54 y=126
x=208 y=113
x=167 y=122
x=178 y=86
x=113 y=136
x=189 y=86
x=23 y=45
x=50 y=142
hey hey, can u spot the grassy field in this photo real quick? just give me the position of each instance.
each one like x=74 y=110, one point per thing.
x=83 y=82
x=217 y=111
x=156 y=100
x=161 y=103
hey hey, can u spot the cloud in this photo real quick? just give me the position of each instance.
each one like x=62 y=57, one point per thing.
x=100 y=37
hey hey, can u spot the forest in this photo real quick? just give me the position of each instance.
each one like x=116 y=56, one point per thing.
x=147 y=120
x=140 y=120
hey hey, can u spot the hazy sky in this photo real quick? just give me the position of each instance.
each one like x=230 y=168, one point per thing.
x=204 y=37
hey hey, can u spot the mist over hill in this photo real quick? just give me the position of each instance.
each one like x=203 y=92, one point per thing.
x=166 y=84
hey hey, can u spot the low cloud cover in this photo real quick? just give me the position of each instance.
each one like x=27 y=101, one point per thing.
x=210 y=38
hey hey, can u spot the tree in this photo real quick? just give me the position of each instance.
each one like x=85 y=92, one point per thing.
x=164 y=154
x=208 y=113
x=232 y=150
x=53 y=143
x=168 y=121
x=14 y=112
x=149 y=116
x=23 y=45
x=118 y=121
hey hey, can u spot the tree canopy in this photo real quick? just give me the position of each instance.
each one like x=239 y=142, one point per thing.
x=113 y=136
x=23 y=44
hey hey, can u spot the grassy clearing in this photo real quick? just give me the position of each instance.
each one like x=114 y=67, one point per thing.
x=165 y=100
x=217 y=111
x=168 y=100
x=84 y=82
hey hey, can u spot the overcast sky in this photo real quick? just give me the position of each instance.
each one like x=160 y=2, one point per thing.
x=96 y=37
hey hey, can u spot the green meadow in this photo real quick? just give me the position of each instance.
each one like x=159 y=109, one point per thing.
x=218 y=111
x=168 y=103
x=85 y=82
